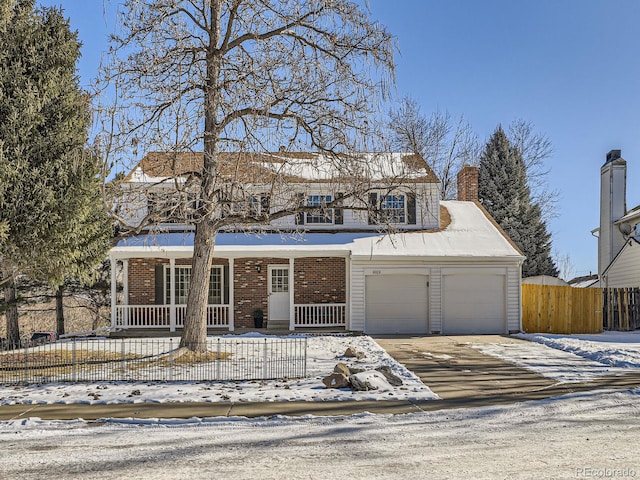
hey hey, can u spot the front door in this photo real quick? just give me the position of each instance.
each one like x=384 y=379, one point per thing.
x=278 y=292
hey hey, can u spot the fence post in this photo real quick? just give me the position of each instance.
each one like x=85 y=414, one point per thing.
x=264 y=369
x=74 y=373
x=122 y=357
x=304 y=365
x=26 y=363
x=171 y=358
x=218 y=362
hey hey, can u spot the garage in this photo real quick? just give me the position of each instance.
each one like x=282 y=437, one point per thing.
x=396 y=304
x=473 y=303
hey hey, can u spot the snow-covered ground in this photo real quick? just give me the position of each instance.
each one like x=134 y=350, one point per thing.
x=564 y=358
x=324 y=352
x=572 y=358
x=587 y=435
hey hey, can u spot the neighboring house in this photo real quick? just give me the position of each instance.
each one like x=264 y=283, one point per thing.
x=545 y=280
x=619 y=231
x=446 y=268
x=585 y=281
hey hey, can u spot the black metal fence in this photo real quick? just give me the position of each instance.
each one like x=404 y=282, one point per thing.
x=157 y=359
x=621 y=309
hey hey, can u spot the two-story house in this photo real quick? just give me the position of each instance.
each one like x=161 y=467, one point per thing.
x=371 y=250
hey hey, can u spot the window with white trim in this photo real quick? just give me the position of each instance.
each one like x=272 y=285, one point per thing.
x=394 y=208
x=323 y=215
x=251 y=206
x=172 y=207
x=183 y=282
x=280 y=280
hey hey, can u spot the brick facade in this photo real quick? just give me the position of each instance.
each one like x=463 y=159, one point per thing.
x=250 y=288
x=316 y=280
x=320 y=280
x=468 y=183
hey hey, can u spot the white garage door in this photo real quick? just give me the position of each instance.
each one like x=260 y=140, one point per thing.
x=396 y=304
x=473 y=304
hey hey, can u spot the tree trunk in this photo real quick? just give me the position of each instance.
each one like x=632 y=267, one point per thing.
x=13 y=329
x=96 y=317
x=59 y=311
x=194 y=335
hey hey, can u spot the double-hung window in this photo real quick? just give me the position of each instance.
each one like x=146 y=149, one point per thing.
x=172 y=207
x=322 y=215
x=183 y=282
x=394 y=208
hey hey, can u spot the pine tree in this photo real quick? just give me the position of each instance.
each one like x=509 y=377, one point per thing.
x=503 y=190
x=49 y=201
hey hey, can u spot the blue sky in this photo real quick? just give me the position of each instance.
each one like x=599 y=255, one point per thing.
x=572 y=67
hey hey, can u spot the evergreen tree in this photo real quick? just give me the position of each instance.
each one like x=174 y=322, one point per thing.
x=49 y=201
x=503 y=190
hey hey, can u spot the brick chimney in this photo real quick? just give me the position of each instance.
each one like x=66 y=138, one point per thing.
x=468 y=183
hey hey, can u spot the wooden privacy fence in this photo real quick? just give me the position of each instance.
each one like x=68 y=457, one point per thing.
x=621 y=309
x=555 y=309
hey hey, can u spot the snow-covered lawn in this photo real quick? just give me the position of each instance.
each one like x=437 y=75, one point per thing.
x=323 y=354
x=572 y=358
x=587 y=435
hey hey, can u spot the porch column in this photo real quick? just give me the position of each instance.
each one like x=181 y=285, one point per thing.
x=347 y=293
x=125 y=281
x=114 y=300
x=125 y=289
x=292 y=313
x=172 y=294
x=231 y=297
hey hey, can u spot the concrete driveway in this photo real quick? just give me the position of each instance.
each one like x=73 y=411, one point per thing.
x=455 y=370
x=460 y=374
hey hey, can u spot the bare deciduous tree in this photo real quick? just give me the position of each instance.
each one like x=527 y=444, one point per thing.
x=249 y=76
x=565 y=265
x=444 y=143
x=535 y=148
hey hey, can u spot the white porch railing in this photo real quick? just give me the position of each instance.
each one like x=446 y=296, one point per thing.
x=320 y=315
x=217 y=315
x=159 y=316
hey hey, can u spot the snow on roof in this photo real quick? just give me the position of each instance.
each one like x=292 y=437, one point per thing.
x=587 y=284
x=470 y=234
x=631 y=215
x=297 y=167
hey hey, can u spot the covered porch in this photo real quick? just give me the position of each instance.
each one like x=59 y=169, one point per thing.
x=293 y=288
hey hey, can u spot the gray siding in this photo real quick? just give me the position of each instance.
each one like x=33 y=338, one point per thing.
x=625 y=270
